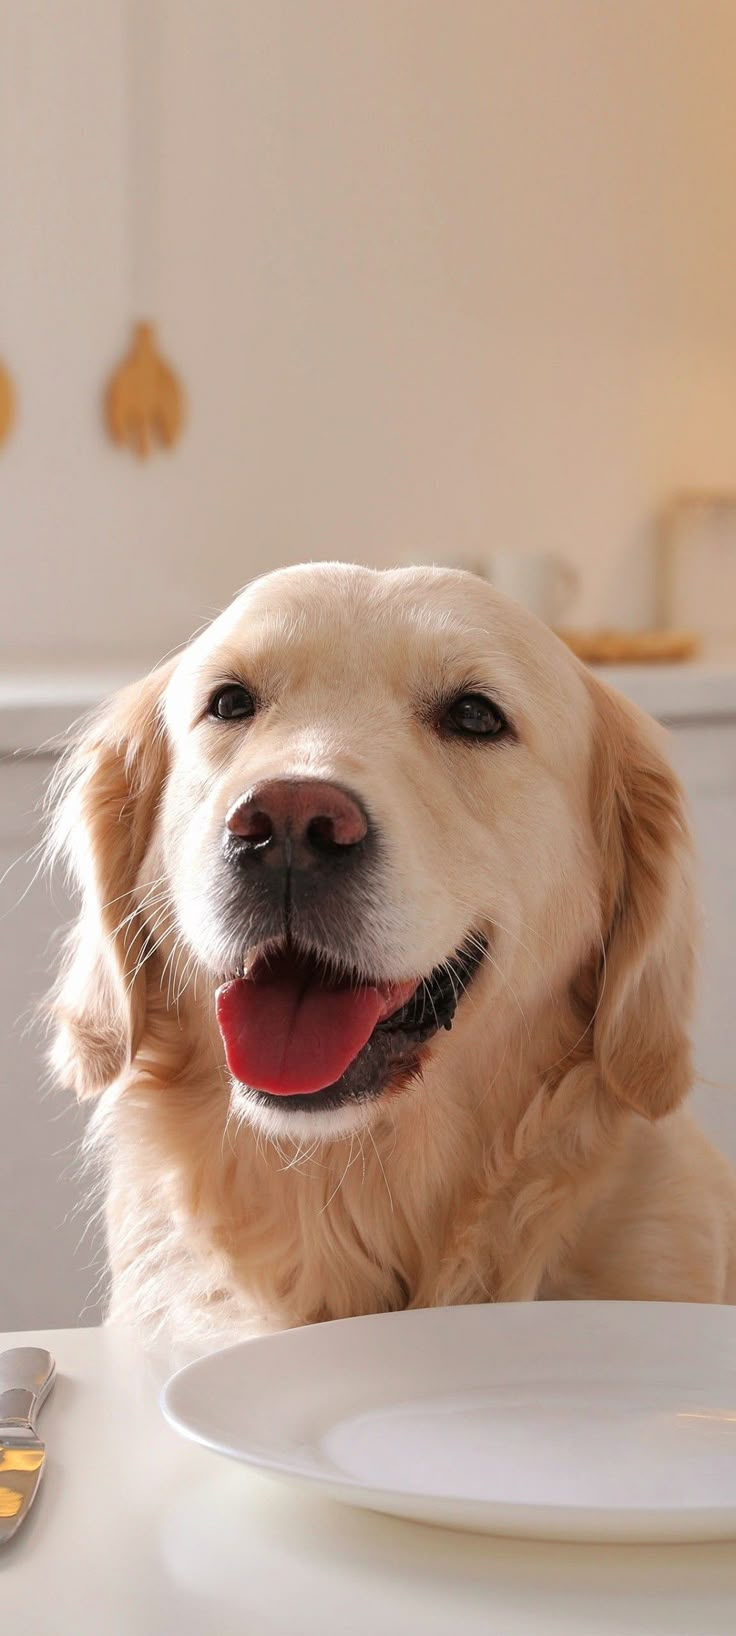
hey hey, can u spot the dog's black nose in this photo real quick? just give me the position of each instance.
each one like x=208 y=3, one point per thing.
x=296 y=822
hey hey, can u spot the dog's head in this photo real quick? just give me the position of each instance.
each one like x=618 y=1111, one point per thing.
x=359 y=810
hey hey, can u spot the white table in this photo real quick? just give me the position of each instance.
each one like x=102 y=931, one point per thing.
x=137 y=1533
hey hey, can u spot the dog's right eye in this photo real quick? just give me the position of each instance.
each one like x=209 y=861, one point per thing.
x=232 y=703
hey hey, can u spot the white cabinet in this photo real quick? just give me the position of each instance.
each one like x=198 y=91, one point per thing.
x=50 y=1260
x=705 y=756
x=47 y=1249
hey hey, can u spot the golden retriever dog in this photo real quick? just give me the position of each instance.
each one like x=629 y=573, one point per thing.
x=384 y=969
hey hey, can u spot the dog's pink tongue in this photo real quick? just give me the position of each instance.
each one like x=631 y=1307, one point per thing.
x=287 y=1032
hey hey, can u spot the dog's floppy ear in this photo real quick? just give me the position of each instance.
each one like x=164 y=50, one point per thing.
x=101 y=805
x=646 y=982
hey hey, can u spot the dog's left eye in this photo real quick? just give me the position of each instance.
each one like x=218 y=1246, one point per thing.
x=231 y=703
x=473 y=716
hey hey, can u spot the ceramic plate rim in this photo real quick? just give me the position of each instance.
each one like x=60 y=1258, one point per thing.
x=511 y=1517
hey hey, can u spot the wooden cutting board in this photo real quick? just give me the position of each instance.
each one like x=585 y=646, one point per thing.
x=609 y=647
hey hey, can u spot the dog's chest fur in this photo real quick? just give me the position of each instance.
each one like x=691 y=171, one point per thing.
x=215 y=1233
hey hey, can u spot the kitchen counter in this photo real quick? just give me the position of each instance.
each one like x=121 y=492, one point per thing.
x=38 y=705
x=692 y=691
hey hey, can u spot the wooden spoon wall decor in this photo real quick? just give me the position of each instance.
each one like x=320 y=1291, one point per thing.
x=7 y=402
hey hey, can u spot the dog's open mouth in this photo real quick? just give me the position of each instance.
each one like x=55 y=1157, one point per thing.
x=292 y=1027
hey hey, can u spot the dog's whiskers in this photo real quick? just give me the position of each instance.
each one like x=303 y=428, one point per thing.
x=154 y=889
x=137 y=918
x=381 y=1165
x=336 y=1189
x=158 y=934
x=148 y=950
x=481 y=948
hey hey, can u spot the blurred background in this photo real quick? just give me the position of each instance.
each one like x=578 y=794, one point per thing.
x=440 y=280
x=436 y=275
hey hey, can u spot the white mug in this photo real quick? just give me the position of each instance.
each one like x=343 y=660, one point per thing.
x=543 y=584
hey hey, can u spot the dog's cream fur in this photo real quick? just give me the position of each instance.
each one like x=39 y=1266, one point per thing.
x=544 y=1153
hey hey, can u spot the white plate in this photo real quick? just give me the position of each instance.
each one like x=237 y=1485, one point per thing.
x=558 y=1420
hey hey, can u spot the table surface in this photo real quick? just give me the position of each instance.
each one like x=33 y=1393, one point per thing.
x=137 y=1533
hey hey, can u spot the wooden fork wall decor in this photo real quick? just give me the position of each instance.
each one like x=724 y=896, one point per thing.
x=145 y=401
x=7 y=402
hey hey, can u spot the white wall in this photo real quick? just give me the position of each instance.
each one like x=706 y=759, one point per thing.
x=438 y=274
